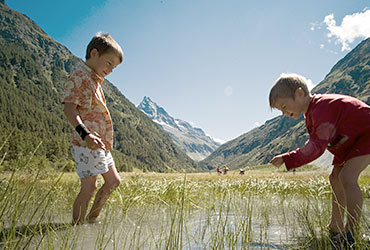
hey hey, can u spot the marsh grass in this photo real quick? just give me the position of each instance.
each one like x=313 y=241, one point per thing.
x=174 y=211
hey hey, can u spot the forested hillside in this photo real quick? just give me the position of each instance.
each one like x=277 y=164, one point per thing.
x=33 y=71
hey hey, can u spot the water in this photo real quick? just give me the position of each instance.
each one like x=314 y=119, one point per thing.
x=148 y=235
x=258 y=223
x=230 y=227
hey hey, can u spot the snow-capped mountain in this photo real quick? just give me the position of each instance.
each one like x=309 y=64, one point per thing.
x=193 y=141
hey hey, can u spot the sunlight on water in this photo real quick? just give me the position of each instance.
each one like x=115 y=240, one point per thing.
x=143 y=228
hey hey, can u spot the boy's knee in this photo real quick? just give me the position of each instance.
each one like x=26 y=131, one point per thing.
x=346 y=179
x=89 y=189
x=116 y=183
x=92 y=189
x=113 y=184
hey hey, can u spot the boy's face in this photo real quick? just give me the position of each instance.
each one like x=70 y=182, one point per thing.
x=288 y=107
x=293 y=107
x=103 y=64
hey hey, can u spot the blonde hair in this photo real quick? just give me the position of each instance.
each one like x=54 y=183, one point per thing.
x=286 y=86
x=104 y=43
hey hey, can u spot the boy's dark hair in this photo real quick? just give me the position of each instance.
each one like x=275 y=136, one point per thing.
x=286 y=86
x=104 y=43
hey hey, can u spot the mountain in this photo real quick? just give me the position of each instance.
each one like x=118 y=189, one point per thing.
x=33 y=72
x=193 y=141
x=350 y=76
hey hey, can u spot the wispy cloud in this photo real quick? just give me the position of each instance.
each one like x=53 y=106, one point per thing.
x=310 y=84
x=228 y=91
x=219 y=140
x=353 y=26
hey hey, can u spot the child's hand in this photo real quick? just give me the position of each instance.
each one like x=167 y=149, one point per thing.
x=277 y=161
x=94 y=141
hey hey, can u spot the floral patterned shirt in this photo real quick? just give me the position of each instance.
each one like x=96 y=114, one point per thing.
x=84 y=89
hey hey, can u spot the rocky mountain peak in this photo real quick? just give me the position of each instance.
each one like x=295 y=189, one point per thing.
x=156 y=113
x=149 y=106
x=192 y=141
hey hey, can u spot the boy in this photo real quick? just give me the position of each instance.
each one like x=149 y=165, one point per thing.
x=86 y=110
x=335 y=122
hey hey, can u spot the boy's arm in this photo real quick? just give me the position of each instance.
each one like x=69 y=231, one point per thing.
x=70 y=111
x=298 y=157
x=301 y=156
x=322 y=129
x=320 y=135
x=93 y=141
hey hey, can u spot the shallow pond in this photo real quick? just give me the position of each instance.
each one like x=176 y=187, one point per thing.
x=267 y=222
x=163 y=214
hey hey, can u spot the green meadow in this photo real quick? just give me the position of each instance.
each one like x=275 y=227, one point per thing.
x=266 y=208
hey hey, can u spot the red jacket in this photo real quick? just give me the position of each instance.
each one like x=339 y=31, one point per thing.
x=335 y=122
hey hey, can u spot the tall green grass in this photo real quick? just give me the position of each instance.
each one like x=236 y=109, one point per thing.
x=172 y=211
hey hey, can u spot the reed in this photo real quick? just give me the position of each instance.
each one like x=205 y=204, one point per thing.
x=173 y=211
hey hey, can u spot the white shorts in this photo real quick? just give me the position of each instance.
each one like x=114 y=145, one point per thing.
x=91 y=162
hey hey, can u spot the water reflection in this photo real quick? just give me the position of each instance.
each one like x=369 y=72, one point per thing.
x=262 y=224
x=156 y=228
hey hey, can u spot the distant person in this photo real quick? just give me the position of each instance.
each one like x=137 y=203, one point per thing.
x=335 y=122
x=218 y=170
x=225 y=169
x=85 y=108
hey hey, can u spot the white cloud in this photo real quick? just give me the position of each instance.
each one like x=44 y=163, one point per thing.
x=353 y=26
x=310 y=84
x=228 y=91
x=315 y=26
x=219 y=140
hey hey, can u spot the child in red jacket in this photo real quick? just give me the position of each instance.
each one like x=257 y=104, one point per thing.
x=335 y=122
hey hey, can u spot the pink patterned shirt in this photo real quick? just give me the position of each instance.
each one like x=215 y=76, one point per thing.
x=84 y=89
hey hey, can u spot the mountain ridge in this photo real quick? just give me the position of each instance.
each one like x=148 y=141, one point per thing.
x=192 y=141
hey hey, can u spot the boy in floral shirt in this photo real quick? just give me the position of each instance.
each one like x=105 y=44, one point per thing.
x=86 y=110
x=339 y=123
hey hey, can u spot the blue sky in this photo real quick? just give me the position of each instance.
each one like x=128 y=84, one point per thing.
x=209 y=62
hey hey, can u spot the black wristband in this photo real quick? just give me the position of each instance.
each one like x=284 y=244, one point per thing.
x=82 y=131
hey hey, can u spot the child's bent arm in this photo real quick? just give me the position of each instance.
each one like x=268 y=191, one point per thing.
x=93 y=140
x=301 y=156
x=70 y=111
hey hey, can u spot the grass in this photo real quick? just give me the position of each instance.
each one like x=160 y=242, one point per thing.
x=267 y=209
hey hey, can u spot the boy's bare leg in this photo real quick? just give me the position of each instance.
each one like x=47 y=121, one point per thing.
x=81 y=203
x=111 y=181
x=338 y=201
x=349 y=179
